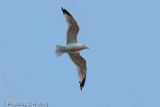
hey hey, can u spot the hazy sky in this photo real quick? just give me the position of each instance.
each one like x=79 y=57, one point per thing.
x=123 y=61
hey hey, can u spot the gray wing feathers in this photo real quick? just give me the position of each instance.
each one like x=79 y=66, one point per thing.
x=72 y=33
x=80 y=64
x=73 y=28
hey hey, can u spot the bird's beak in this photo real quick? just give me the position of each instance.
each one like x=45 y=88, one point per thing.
x=87 y=48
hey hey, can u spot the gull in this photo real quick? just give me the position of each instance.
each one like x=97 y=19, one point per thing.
x=72 y=47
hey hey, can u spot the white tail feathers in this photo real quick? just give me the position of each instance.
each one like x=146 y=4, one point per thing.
x=59 y=50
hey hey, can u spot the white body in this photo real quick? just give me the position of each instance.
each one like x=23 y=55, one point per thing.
x=71 y=48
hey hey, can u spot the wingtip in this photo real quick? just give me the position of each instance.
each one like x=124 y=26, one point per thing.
x=82 y=83
x=62 y=9
x=65 y=12
x=81 y=88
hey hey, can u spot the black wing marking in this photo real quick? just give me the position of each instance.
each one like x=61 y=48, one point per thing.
x=65 y=11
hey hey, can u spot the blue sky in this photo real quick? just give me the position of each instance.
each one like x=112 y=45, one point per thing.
x=123 y=60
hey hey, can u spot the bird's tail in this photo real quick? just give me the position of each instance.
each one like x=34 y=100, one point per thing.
x=59 y=50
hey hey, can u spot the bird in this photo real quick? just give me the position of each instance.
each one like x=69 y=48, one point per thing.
x=73 y=48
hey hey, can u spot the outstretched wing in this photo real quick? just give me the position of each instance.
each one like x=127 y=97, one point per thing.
x=73 y=27
x=80 y=64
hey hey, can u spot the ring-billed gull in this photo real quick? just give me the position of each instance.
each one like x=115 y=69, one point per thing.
x=72 y=47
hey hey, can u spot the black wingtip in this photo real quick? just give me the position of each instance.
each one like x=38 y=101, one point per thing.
x=82 y=83
x=81 y=88
x=65 y=11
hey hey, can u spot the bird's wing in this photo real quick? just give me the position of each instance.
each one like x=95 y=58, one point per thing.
x=80 y=64
x=73 y=27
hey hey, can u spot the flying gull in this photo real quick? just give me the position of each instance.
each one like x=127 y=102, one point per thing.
x=72 y=47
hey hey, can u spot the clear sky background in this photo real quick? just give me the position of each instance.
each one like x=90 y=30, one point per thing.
x=123 y=61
